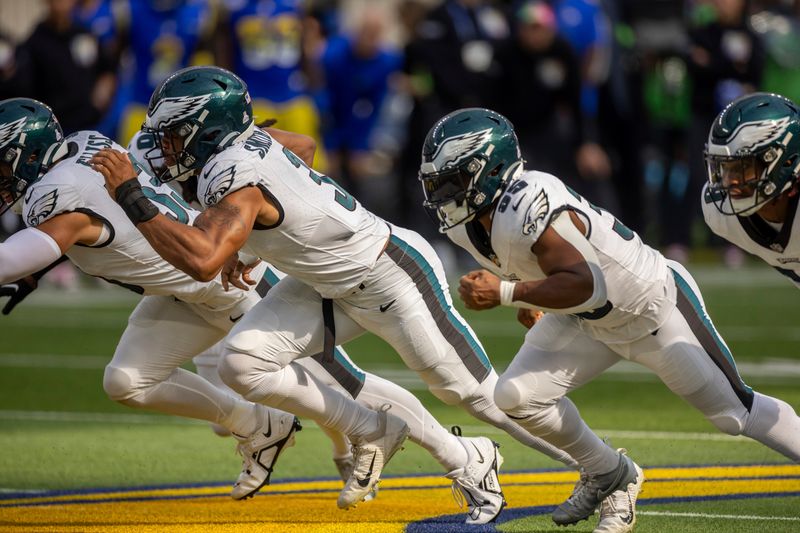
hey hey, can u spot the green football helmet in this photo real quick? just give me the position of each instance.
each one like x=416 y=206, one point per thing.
x=195 y=113
x=30 y=138
x=468 y=158
x=752 y=153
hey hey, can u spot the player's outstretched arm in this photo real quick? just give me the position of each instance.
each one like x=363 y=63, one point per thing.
x=33 y=249
x=200 y=250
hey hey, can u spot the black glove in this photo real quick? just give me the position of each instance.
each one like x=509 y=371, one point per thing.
x=20 y=289
x=17 y=292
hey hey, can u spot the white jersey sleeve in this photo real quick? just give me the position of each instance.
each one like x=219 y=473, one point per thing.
x=322 y=236
x=50 y=199
x=223 y=178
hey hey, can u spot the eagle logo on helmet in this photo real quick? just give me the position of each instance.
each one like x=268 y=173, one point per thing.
x=10 y=131
x=219 y=185
x=42 y=208
x=455 y=149
x=752 y=135
x=169 y=111
x=537 y=212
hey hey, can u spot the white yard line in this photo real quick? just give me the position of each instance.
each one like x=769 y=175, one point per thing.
x=105 y=418
x=778 y=368
x=724 y=516
x=143 y=419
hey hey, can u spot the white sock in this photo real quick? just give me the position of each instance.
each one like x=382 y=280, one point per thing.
x=562 y=426
x=424 y=429
x=293 y=389
x=774 y=423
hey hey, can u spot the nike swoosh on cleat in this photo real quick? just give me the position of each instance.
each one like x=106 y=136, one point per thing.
x=384 y=308
x=364 y=482
x=235 y=319
x=479 y=453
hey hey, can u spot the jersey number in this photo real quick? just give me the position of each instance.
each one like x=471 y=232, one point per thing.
x=173 y=202
x=619 y=228
x=341 y=196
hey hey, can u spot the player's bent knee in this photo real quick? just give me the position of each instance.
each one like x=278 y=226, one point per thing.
x=727 y=422
x=119 y=384
x=244 y=373
x=509 y=397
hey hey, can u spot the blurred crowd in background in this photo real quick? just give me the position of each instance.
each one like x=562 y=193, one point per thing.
x=613 y=96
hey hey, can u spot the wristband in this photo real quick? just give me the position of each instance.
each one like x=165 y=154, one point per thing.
x=507 y=292
x=131 y=199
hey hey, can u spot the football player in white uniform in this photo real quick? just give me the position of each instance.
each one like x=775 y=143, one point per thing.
x=366 y=388
x=349 y=271
x=67 y=211
x=751 y=198
x=607 y=297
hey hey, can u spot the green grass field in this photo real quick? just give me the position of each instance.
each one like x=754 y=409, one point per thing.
x=59 y=431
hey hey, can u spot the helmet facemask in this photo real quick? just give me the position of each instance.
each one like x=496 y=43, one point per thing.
x=11 y=186
x=173 y=156
x=742 y=184
x=452 y=192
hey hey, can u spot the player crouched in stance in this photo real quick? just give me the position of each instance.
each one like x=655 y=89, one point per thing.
x=348 y=271
x=64 y=204
x=607 y=295
x=67 y=209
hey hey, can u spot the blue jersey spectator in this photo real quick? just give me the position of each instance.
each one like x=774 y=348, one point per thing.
x=264 y=46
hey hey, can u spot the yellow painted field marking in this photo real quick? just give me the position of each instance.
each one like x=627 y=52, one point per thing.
x=310 y=505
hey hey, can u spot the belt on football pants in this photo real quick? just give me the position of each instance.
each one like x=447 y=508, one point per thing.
x=329 y=327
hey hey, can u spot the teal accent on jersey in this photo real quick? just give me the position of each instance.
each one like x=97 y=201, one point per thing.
x=271 y=277
x=173 y=202
x=437 y=288
x=684 y=287
x=339 y=357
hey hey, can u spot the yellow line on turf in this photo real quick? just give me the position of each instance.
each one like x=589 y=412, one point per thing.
x=310 y=505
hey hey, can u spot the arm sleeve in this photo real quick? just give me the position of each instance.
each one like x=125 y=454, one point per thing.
x=26 y=252
x=567 y=230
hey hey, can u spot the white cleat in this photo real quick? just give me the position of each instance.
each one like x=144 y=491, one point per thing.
x=261 y=450
x=369 y=458
x=618 y=511
x=477 y=483
x=345 y=467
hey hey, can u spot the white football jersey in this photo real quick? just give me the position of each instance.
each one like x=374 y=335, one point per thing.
x=124 y=257
x=753 y=234
x=636 y=276
x=324 y=237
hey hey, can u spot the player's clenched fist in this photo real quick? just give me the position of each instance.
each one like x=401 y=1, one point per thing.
x=480 y=289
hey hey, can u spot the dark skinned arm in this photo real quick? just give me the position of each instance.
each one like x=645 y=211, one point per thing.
x=569 y=280
x=200 y=250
